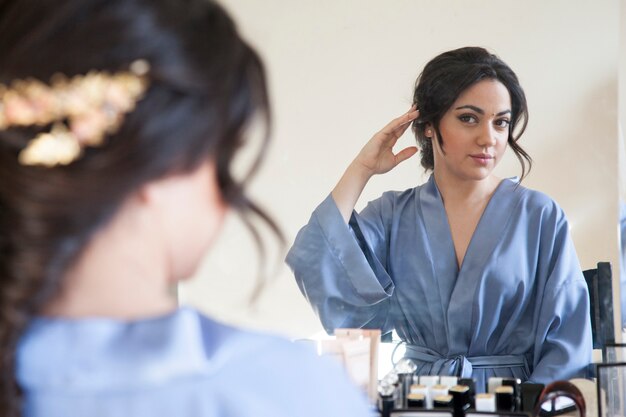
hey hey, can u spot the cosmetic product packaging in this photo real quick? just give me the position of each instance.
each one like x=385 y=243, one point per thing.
x=460 y=396
x=485 y=402
x=425 y=391
x=429 y=380
x=530 y=395
x=415 y=400
x=449 y=380
x=442 y=401
x=493 y=383
x=386 y=399
x=405 y=369
x=438 y=390
x=471 y=384
x=392 y=379
x=515 y=383
x=505 y=399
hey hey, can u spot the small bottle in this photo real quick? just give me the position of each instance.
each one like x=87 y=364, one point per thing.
x=405 y=369
x=442 y=401
x=505 y=399
x=415 y=400
x=437 y=390
x=423 y=390
x=460 y=397
x=485 y=402
x=493 y=383
x=391 y=379
x=386 y=399
x=449 y=380
x=471 y=384
x=530 y=395
x=517 y=391
x=429 y=380
x=418 y=388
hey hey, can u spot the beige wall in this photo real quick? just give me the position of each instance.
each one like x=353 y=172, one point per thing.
x=622 y=102
x=339 y=70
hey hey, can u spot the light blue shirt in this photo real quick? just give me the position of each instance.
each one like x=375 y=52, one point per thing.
x=517 y=306
x=181 y=364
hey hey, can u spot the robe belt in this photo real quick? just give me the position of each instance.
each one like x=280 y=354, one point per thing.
x=463 y=366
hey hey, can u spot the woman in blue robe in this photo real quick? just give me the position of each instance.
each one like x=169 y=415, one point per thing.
x=477 y=274
x=119 y=121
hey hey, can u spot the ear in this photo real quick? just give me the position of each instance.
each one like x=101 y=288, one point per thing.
x=429 y=131
x=144 y=194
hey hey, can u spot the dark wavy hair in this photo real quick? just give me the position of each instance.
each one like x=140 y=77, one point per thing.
x=445 y=77
x=206 y=85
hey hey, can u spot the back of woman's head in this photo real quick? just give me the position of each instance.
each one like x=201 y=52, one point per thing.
x=448 y=75
x=204 y=85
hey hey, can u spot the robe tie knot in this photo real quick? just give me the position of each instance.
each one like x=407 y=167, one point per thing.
x=461 y=365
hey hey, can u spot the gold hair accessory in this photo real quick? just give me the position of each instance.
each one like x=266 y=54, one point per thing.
x=82 y=111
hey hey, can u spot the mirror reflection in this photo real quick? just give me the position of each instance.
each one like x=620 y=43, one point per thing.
x=477 y=274
x=340 y=72
x=622 y=160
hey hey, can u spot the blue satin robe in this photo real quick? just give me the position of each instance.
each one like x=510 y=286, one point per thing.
x=517 y=307
x=182 y=364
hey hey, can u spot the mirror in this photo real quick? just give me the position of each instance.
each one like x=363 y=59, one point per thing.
x=339 y=71
x=611 y=382
x=622 y=157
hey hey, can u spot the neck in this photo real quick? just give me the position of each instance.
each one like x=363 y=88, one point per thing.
x=455 y=191
x=118 y=275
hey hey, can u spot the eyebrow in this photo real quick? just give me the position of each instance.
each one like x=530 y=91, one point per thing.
x=481 y=111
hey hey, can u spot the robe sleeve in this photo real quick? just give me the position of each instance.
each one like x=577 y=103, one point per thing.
x=563 y=342
x=340 y=268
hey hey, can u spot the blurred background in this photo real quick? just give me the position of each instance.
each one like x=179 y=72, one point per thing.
x=340 y=70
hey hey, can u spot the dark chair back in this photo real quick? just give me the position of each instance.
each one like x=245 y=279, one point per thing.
x=601 y=297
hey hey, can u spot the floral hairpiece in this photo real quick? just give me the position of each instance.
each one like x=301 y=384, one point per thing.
x=82 y=111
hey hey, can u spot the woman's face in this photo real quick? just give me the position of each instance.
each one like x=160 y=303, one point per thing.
x=475 y=131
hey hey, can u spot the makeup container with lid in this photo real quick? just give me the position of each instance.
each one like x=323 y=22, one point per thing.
x=530 y=395
x=485 y=402
x=405 y=369
x=429 y=380
x=493 y=383
x=386 y=399
x=391 y=379
x=425 y=391
x=505 y=399
x=439 y=389
x=416 y=400
x=460 y=399
x=471 y=384
x=449 y=380
x=442 y=401
x=515 y=383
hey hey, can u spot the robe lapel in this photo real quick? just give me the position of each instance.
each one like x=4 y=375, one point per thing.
x=442 y=258
x=488 y=234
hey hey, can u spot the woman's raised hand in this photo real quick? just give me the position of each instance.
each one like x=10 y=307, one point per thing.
x=377 y=156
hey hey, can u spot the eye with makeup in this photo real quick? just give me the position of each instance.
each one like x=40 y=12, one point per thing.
x=468 y=118
x=503 y=123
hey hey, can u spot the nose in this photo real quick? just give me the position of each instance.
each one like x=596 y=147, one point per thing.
x=488 y=136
